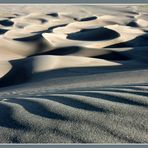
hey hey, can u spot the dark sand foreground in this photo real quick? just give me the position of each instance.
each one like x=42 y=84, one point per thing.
x=73 y=74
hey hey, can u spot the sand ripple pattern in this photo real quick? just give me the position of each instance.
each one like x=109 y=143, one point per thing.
x=111 y=114
x=76 y=74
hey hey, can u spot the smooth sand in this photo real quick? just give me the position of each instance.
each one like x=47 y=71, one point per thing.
x=73 y=74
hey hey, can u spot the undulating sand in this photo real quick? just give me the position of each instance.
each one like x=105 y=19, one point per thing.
x=73 y=74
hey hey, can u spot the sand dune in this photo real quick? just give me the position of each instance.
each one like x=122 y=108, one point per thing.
x=73 y=74
x=5 y=68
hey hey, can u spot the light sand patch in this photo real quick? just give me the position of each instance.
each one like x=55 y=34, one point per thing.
x=5 y=67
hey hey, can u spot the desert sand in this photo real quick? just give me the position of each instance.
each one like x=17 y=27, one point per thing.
x=73 y=74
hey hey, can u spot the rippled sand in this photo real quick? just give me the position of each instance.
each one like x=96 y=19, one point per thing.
x=73 y=74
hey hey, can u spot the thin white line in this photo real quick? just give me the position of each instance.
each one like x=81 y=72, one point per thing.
x=73 y=4
x=72 y=144
x=75 y=144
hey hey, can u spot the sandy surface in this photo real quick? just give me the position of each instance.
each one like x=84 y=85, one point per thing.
x=73 y=74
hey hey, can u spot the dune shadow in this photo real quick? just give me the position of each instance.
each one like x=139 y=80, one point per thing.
x=53 y=14
x=22 y=72
x=60 y=51
x=132 y=24
x=29 y=38
x=97 y=34
x=2 y=31
x=10 y=17
x=81 y=71
x=6 y=23
x=50 y=29
x=139 y=41
x=88 y=19
x=43 y=20
x=87 y=52
x=113 y=56
x=135 y=53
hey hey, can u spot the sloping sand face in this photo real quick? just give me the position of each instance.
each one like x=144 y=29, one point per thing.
x=73 y=74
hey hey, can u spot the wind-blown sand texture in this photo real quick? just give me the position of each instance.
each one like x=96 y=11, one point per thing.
x=73 y=74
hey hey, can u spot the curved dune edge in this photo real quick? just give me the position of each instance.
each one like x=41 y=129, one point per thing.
x=5 y=67
x=125 y=34
x=44 y=63
x=32 y=66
